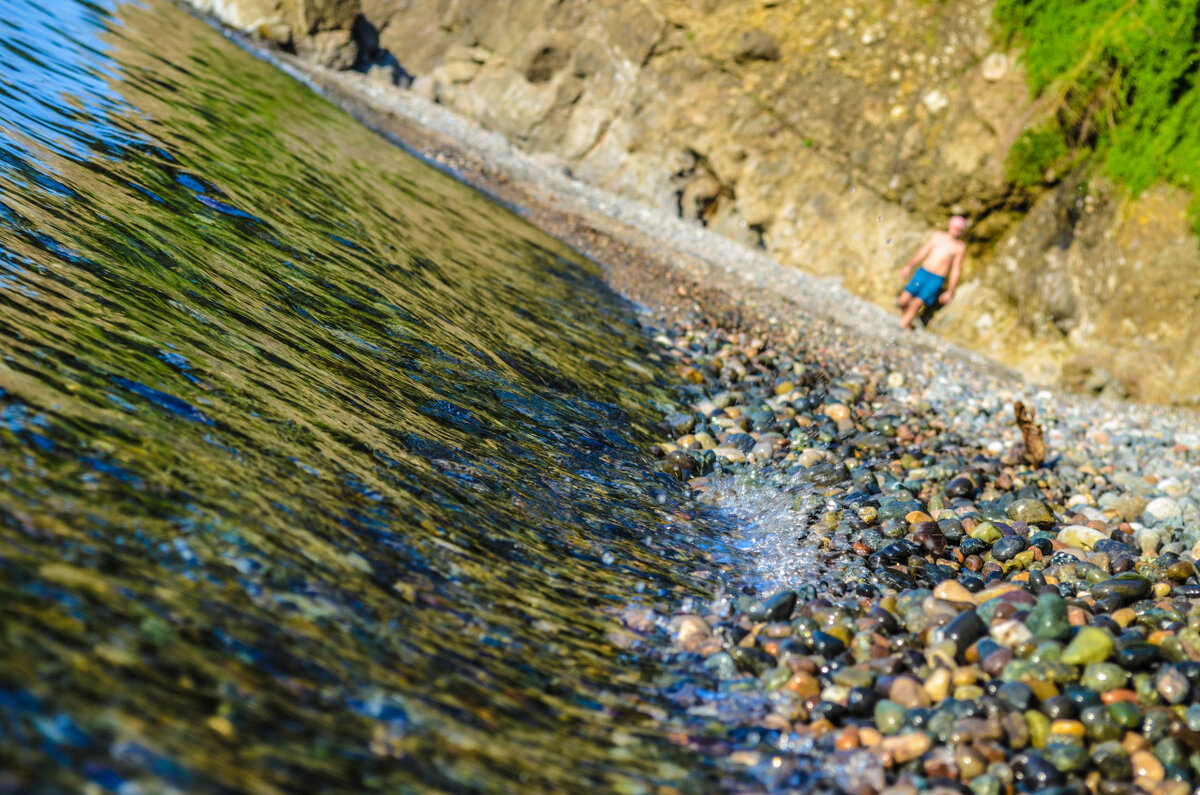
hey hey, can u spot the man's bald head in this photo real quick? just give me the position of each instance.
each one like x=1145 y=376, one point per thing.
x=957 y=225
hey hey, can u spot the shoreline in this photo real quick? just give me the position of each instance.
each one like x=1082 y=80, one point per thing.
x=918 y=603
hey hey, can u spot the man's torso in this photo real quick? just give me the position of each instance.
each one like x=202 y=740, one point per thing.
x=944 y=250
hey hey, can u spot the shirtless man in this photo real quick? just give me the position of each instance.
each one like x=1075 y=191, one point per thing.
x=942 y=255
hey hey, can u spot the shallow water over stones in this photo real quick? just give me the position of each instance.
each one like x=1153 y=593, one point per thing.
x=319 y=472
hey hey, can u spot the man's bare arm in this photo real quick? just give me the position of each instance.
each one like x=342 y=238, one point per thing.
x=952 y=280
x=918 y=258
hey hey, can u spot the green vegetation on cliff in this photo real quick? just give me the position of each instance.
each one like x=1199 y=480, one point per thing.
x=1120 y=78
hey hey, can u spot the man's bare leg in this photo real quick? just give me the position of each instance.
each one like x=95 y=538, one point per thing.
x=903 y=299
x=914 y=307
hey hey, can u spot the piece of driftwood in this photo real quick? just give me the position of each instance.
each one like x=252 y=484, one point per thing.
x=1035 y=446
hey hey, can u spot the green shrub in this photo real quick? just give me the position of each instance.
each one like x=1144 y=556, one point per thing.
x=1033 y=153
x=1121 y=79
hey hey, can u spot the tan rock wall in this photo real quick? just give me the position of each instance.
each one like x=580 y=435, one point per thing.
x=834 y=134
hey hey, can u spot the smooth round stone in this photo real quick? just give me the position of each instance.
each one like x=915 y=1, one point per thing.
x=1048 y=619
x=763 y=450
x=1146 y=766
x=1059 y=708
x=1160 y=510
x=1008 y=548
x=1047 y=651
x=1016 y=696
x=1011 y=633
x=1137 y=655
x=751 y=659
x=1129 y=587
x=776 y=608
x=953 y=591
x=1080 y=537
x=1172 y=685
x=1037 y=773
x=986 y=532
x=1068 y=757
x=908 y=693
x=742 y=441
x=689 y=626
x=987 y=784
x=964 y=630
x=1090 y=645
x=825 y=474
x=721 y=665
x=1082 y=697
x=973 y=546
x=827 y=645
x=889 y=716
x=1099 y=723
x=862 y=701
x=937 y=686
x=853 y=677
x=1112 y=761
x=730 y=453
x=1068 y=729
x=1170 y=752
x=776 y=678
x=1039 y=728
x=898 y=509
x=1115 y=549
x=1126 y=714
x=681 y=423
x=1031 y=512
x=960 y=488
x=1103 y=677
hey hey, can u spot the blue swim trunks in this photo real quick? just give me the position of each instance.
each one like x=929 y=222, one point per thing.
x=925 y=285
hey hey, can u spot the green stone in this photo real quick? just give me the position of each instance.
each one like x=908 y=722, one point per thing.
x=853 y=677
x=776 y=678
x=1032 y=512
x=1047 y=651
x=1099 y=724
x=1103 y=677
x=941 y=724
x=1068 y=757
x=1019 y=562
x=1090 y=645
x=1193 y=717
x=1051 y=671
x=1157 y=722
x=860 y=647
x=1171 y=649
x=1039 y=728
x=1170 y=752
x=1146 y=689
x=987 y=532
x=987 y=784
x=1125 y=714
x=1112 y=761
x=1015 y=670
x=889 y=716
x=1048 y=619
x=721 y=665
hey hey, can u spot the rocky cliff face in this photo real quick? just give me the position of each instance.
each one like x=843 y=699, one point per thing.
x=835 y=135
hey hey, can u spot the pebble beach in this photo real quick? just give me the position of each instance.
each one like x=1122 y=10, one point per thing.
x=917 y=600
